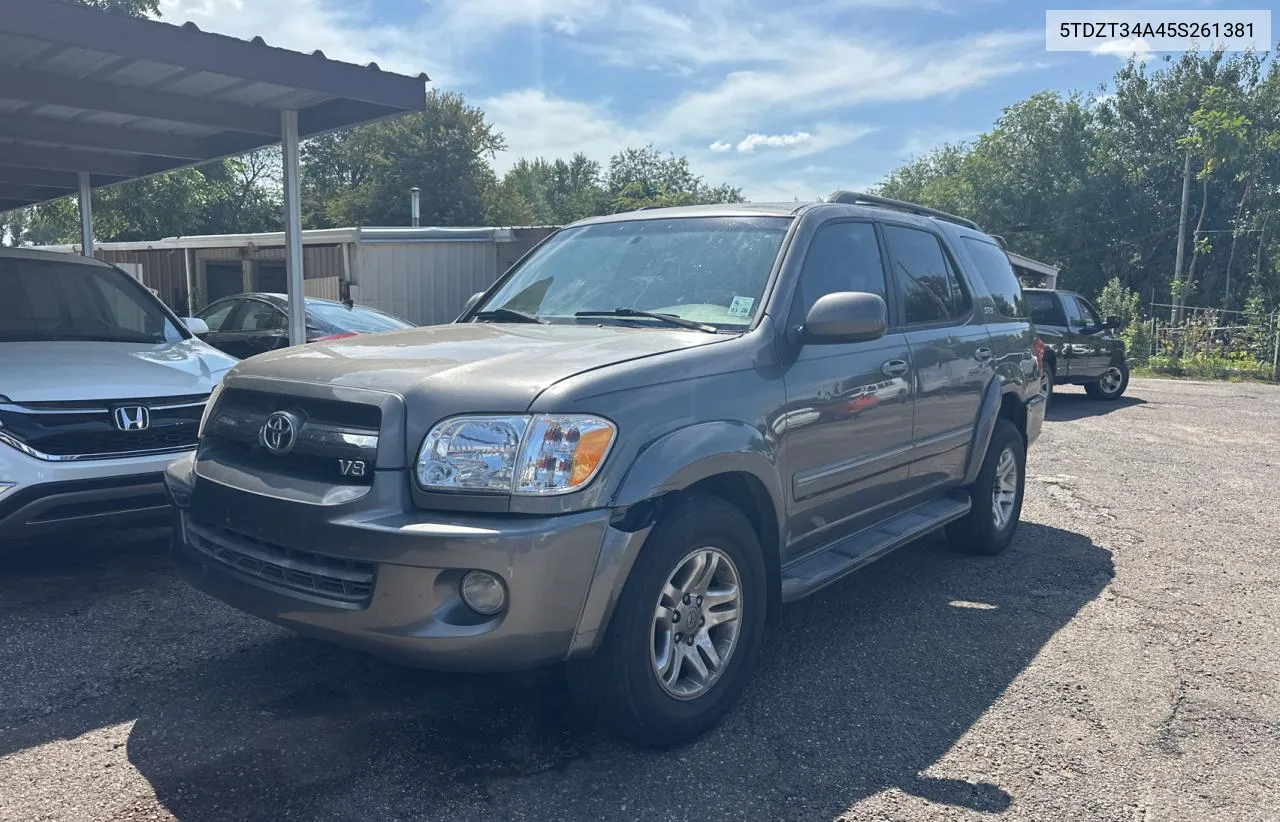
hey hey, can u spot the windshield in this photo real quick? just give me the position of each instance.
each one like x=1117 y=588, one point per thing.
x=708 y=269
x=48 y=300
x=358 y=319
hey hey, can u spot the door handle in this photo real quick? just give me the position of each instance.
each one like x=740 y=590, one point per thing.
x=982 y=354
x=894 y=368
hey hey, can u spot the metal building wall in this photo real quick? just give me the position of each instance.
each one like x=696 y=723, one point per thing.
x=162 y=269
x=425 y=283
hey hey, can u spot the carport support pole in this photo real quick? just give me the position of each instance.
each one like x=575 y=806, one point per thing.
x=293 y=228
x=86 y=216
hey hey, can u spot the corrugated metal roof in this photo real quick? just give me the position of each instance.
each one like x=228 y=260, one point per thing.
x=318 y=236
x=1032 y=265
x=122 y=98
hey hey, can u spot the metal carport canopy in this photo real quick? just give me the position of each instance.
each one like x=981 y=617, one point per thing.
x=89 y=98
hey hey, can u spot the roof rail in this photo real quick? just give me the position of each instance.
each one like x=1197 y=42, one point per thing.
x=858 y=198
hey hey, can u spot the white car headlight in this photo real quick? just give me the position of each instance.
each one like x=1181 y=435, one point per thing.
x=521 y=455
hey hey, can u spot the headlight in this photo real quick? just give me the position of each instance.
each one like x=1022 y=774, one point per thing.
x=522 y=455
x=471 y=454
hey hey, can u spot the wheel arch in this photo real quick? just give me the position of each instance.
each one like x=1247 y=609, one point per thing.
x=729 y=459
x=1000 y=401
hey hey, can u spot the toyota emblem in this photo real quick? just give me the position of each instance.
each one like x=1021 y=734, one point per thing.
x=280 y=432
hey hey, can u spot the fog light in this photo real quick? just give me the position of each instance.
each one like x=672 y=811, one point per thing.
x=483 y=592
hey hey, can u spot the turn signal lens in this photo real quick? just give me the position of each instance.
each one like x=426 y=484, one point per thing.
x=562 y=454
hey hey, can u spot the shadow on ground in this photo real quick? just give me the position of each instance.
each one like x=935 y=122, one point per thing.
x=862 y=688
x=1068 y=406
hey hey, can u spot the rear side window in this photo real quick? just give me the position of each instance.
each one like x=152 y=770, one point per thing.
x=927 y=282
x=1044 y=308
x=216 y=316
x=997 y=274
x=257 y=316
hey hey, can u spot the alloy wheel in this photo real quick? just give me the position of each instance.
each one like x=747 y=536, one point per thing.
x=1004 y=491
x=696 y=623
x=1111 y=380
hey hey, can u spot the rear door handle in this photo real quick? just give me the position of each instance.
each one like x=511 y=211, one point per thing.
x=894 y=368
x=982 y=354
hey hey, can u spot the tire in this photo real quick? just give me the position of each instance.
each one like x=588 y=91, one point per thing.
x=620 y=684
x=978 y=532
x=1111 y=385
x=1049 y=382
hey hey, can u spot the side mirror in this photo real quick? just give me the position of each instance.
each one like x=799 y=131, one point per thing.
x=1113 y=324
x=471 y=302
x=844 y=317
x=196 y=325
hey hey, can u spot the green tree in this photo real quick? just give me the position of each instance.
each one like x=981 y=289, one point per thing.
x=640 y=177
x=363 y=177
x=1093 y=183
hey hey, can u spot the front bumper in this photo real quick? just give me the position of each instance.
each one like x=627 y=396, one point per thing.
x=372 y=577
x=38 y=498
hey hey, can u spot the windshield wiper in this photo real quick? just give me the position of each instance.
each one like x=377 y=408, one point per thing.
x=509 y=314
x=671 y=319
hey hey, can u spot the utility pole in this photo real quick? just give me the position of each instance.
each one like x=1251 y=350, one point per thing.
x=1175 y=312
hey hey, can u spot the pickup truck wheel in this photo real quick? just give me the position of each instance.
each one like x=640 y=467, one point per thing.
x=1046 y=386
x=687 y=629
x=997 y=496
x=1111 y=384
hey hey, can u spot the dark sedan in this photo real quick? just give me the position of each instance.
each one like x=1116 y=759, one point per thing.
x=247 y=324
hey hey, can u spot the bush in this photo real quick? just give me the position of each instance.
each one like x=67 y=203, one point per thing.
x=1237 y=366
x=1117 y=301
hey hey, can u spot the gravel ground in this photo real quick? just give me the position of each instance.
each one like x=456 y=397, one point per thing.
x=1120 y=662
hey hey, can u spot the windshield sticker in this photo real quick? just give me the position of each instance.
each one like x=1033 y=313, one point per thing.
x=741 y=306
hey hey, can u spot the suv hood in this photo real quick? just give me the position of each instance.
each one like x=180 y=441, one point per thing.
x=476 y=366
x=70 y=371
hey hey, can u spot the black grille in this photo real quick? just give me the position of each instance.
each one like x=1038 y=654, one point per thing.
x=330 y=435
x=89 y=428
x=342 y=582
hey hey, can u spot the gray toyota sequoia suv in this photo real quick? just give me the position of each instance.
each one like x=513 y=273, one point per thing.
x=626 y=455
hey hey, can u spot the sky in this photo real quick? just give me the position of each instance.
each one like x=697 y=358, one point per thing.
x=785 y=99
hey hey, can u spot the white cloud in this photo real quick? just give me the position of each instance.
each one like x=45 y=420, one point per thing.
x=753 y=141
x=538 y=125
x=1124 y=49
x=754 y=90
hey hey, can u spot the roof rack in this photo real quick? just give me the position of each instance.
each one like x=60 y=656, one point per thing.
x=858 y=198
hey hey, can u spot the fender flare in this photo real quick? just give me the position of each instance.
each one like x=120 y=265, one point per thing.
x=671 y=463
x=682 y=457
x=988 y=412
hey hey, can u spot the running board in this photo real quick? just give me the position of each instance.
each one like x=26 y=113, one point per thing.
x=818 y=570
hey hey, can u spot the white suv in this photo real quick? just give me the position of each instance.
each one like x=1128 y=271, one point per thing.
x=101 y=386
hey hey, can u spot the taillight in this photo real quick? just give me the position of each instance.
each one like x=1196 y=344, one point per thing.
x=1037 y=347
x=330 y=337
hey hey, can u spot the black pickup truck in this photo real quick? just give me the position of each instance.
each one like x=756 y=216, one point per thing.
x=1080 y=346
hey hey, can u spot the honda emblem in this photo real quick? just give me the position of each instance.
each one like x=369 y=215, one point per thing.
x=132 y=418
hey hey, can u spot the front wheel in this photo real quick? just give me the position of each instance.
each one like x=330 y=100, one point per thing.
x=1111 y=384
x=686 y=631
x=996 y=495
